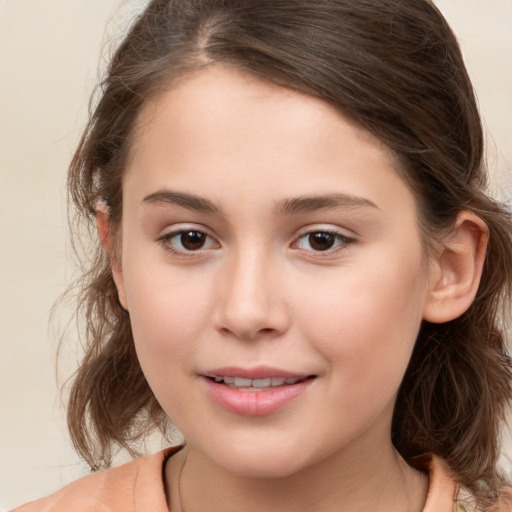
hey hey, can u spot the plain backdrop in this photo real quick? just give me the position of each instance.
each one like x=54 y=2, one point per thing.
x=50 y=51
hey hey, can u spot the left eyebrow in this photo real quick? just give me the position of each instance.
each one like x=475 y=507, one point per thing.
x=312 y=203
x=189 y=201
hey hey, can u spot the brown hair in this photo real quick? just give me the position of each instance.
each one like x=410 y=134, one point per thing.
x=394 y=67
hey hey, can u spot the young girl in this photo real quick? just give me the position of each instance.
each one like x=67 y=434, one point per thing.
x=297 y=265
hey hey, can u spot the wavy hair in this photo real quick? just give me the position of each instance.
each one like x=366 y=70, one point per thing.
x=394 y=67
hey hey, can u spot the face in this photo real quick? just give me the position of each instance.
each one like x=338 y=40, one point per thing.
x=273 y=269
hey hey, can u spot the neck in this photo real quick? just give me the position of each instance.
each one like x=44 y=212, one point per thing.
x=377 y=480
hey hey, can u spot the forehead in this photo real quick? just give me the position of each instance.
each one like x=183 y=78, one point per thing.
x=220 y=125
x=219 y=97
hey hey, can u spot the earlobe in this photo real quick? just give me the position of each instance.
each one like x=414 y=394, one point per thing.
x=456 y=271
x=107 y=242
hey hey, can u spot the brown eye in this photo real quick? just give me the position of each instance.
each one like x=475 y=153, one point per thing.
x=192 y=240
x=187 y=241
x=321 y=241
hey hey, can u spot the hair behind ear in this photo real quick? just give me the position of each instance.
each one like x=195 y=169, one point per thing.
x=458 y=386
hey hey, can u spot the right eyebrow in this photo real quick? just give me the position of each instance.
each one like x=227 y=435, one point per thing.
x=302 y=204
x=183 y=199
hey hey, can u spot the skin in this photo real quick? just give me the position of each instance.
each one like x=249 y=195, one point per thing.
x=259 y=293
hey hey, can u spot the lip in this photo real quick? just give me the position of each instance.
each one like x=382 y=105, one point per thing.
x=254 y=403
x=259 y=372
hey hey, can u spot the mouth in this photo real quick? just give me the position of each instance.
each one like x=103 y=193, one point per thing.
x=257 y=385
x=255 y=392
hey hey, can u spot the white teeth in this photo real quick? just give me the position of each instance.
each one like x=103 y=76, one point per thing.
x=240 y=382
x=261 y=383
x=256 y=384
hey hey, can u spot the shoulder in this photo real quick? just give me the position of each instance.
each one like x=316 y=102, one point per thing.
x=137 y=485
x=445 y=494
x=465 y=502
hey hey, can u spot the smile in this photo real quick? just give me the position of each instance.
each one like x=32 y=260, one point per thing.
x=256 y=392
x=244 y=384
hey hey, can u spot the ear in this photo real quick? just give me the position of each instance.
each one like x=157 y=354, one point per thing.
x=456 y=271
x=106 y=238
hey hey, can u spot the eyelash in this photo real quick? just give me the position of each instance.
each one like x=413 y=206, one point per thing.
x=166 y=241
x=341 y=241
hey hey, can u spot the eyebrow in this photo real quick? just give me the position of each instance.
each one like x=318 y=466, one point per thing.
x=190 y=201
x=323 y=202
x=283 y=207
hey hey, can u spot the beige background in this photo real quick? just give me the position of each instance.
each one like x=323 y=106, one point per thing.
x=49 y=52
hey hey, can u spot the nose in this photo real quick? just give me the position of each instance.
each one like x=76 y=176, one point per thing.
x=252 y=301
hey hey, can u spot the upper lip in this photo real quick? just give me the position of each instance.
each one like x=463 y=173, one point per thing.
x=259 y=372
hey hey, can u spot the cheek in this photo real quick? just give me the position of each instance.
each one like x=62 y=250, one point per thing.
x=167 y=317
x=366 y=320
x=167 y=313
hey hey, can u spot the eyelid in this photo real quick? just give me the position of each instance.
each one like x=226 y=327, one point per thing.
x=164 y=239
x=340 y=235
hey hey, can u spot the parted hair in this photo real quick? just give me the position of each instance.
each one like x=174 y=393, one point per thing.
x=395 y=68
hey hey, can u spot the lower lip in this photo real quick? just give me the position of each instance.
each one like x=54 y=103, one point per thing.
x=255 y=403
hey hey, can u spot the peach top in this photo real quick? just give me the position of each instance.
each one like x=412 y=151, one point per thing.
x=138 y=487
